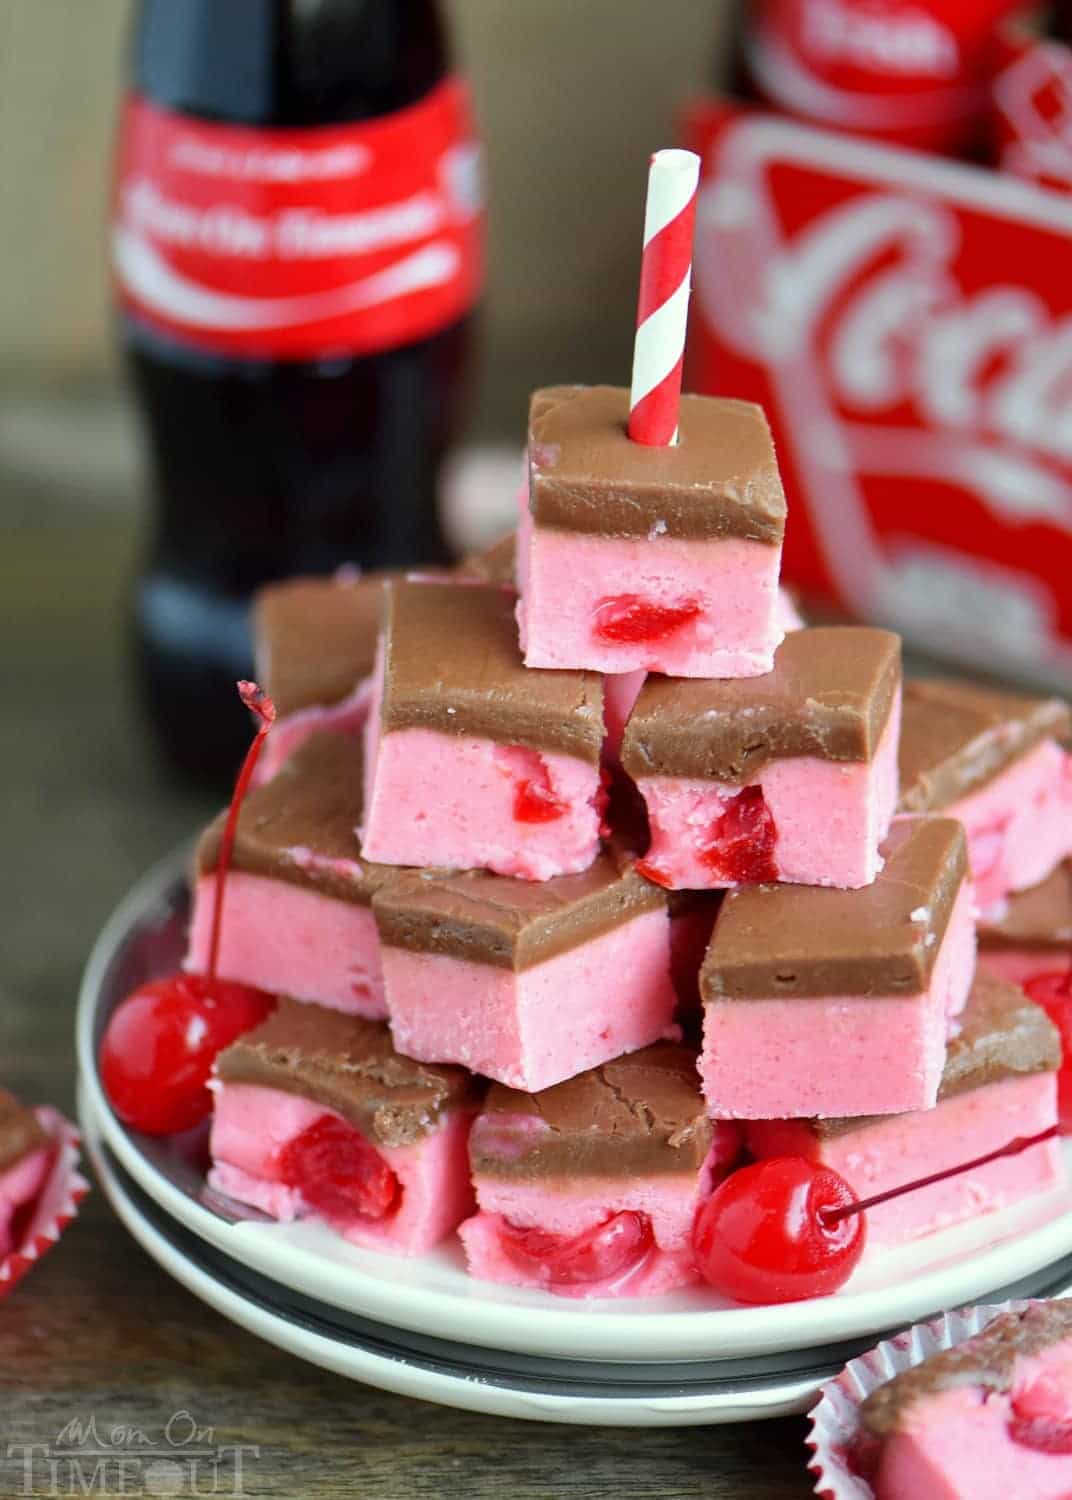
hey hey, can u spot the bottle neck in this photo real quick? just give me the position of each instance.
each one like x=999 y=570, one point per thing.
x=287 y=62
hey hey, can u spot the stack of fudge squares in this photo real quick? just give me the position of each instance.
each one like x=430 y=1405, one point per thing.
x=586 y=872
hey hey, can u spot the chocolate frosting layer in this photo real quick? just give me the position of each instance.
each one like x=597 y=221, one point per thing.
x=720 y=480
x=348 y=1065
x=315 y=638
x=988 y=1360
x=802 y=941
x=494 y=564
x=955 y=737
x=299 y=827
x=640 y=1115
x=829 y=695
x=453 y=664
x=1039 y=918
x=20 y=1131
x=511 y=924
x=1002 y=1035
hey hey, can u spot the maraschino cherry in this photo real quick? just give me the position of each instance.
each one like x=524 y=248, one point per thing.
x=603 y=1252
x=766 y=1235
x=629 y=619
x=339 y=1173
x=161 y=1041
x=1053 y=991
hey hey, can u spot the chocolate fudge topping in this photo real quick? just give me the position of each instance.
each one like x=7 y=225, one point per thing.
x=1039 y=918
x=720 y=480
x=299 y=826
x=1002 y=1035
x=640 y=1115
x=829 y=695
x=348 y=1065
x=956 y=737
x=798 y=940
x=495 y=564
x=453 y=664
x=988 y=1360
x=316 y=638
x=512 y=924
x=20 y=1132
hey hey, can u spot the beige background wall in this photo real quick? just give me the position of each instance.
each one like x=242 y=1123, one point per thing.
x=572 y=95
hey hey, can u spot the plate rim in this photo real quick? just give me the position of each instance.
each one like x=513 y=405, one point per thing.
x=351 y=1360
x=617 y=1331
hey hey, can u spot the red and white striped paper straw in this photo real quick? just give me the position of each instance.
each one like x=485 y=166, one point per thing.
x=663 y=303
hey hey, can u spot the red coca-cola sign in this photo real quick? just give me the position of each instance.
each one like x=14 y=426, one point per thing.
x=911 y=71
x=296 y=243
x=907 y=323
x=1032 y=108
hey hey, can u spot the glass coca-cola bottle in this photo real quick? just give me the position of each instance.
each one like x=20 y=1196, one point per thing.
x=297 y=242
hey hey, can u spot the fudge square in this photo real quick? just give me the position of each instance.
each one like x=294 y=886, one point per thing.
x=659 y=558
x=26 y=1154
x=999 y=1083
x=472 y=761
x=984 y=1420
x=788 y=777
x=589 y=1188
x=527 y=983
x=315 y=643
x=993 y=760
x=826 y=1003
x=1035 y=934
x=298 y=916
x=315 y=1113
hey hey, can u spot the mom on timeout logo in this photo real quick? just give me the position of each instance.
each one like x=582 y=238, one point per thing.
x=89 y=1456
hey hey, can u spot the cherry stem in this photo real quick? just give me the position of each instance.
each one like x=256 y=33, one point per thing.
x=828 y=1217
x=260 y=704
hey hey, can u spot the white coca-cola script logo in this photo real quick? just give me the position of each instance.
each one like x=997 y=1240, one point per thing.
x=898 y=42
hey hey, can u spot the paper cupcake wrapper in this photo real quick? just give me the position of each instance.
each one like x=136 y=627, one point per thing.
x=56 y=1203
x=834 y=1420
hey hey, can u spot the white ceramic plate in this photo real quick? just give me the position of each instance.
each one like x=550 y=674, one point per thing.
x=432 y=1294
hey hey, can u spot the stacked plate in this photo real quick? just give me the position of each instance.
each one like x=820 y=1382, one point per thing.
x=423 y=1328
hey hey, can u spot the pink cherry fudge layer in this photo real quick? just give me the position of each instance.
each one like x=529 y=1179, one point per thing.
x=835 y=1003
x=999 y=1084
x=622 y=1150
x=526 y=984
x=792 y=777
x=988 y=1419
x=348 y=717
x=473 y=762
x=307 y=1064
x=665 y=559
x=298 y=918
x=1034 y=935
x=991 y=759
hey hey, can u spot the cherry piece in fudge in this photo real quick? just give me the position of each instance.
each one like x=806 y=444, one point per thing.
x=994 y=761
x=1034 y=936
x=528 y=983
x=999 y=1084
x=316 y=1114
x=590 y=1188
x=788 y=777
x=298 y=916
x=472 y=761
x=821 y=1002
x=663 y=559
x=988 y=1419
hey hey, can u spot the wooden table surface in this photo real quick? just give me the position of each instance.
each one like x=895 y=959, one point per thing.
x=98 y=1330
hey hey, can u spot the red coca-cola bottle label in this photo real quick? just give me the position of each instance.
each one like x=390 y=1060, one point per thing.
x=300 y=243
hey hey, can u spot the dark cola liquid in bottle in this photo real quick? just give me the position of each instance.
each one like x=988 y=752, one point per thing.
x=297 y=247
